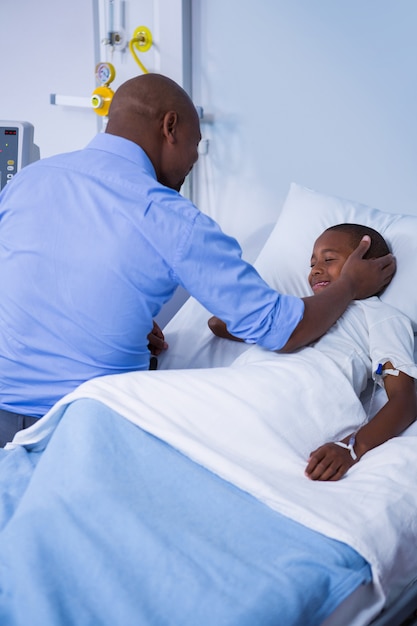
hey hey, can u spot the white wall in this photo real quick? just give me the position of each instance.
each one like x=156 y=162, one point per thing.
x=47 y=47
x=52 y=47
x=322 y=93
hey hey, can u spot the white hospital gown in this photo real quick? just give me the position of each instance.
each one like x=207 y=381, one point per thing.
x=368 y=333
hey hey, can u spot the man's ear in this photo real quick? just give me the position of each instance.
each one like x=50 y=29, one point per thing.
x=169 y=126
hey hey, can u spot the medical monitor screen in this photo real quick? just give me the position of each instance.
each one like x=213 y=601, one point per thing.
x=8 y=154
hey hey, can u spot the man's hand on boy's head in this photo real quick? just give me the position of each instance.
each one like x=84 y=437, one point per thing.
x=367 y=276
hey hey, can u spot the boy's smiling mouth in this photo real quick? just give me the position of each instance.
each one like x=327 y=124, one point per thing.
x=320 y=285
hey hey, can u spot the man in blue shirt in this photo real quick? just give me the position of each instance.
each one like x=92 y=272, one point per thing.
x=94 y=242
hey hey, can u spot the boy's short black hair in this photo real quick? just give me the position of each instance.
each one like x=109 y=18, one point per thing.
x=378 y=247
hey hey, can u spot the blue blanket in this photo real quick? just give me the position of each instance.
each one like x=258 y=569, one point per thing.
x=109 y=525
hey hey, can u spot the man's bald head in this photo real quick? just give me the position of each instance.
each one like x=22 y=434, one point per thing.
x=154 y=112
x=144 y=99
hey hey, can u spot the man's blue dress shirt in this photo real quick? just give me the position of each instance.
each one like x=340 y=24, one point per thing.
x=91 y=247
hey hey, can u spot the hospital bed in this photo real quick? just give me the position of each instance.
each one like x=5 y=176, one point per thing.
x=163 y=498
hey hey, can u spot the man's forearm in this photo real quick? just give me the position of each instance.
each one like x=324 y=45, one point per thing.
x=320 y=313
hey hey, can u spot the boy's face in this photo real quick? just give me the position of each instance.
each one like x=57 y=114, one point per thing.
x=330 y=252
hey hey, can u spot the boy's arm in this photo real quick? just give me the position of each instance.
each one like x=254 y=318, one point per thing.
x=395 y=416
x=331 y=462
x=219 y=328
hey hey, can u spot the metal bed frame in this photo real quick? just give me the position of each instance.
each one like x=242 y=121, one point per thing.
x=403 y=612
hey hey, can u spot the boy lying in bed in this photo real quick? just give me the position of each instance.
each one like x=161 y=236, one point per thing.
x=371 y=339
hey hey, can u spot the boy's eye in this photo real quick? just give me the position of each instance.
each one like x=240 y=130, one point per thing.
x=328 y=259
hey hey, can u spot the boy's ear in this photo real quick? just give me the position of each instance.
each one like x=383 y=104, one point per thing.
x=169 y=126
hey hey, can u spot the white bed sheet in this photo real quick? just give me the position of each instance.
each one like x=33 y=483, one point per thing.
x=227 y=419
x=201 y=349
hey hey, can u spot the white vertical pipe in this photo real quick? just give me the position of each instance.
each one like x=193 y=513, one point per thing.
x=173 y=34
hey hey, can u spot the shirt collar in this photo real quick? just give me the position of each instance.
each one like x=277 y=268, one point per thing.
x=124 y=148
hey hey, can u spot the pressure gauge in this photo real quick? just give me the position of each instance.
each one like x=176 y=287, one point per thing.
x=105 y=73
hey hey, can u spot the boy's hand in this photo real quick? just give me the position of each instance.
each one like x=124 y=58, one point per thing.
x=329 y=462
x=219 y=328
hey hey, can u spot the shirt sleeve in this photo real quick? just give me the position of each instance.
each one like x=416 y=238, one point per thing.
x=209 y=265
x=391 y=338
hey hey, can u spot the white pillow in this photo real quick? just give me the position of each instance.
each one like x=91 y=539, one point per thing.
x=284 y=261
